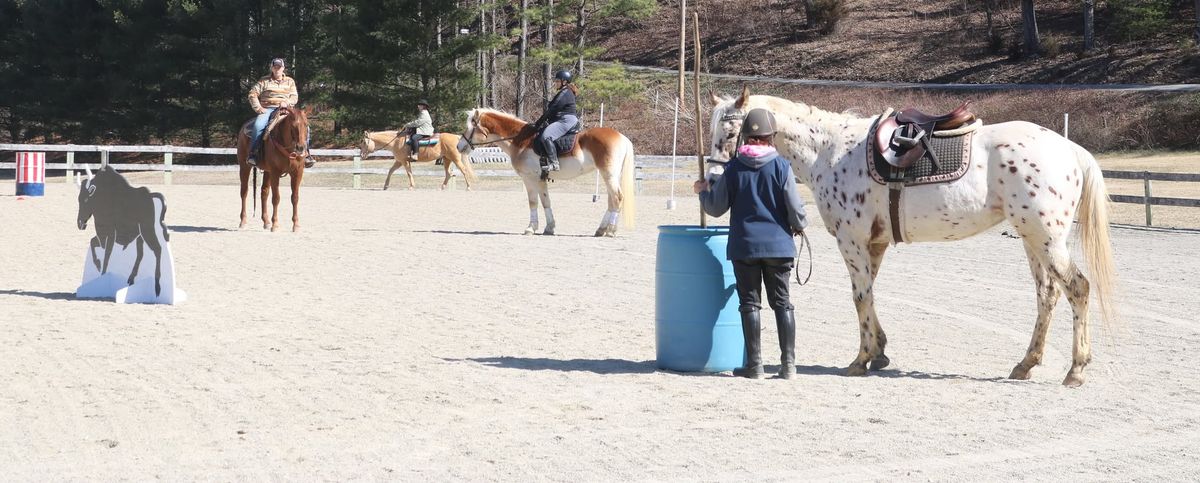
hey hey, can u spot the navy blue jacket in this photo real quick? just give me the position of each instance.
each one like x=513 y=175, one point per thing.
x=765 y=207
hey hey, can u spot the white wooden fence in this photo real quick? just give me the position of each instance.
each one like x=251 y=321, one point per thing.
x=482 y=155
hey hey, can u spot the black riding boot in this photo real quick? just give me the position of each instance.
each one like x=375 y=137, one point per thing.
x=751 y=329
x=785 y=322
x=551 y=156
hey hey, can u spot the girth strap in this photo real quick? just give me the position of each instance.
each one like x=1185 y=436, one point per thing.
x=894 y=210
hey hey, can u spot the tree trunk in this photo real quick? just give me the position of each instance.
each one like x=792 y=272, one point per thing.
x=521 y=59
x=581 y=27
x=988 y=7
x=1196 y=34
x=491 y=59
x=1089 y=35
x=549 y=66
x=1029 y=25
x=809 y=21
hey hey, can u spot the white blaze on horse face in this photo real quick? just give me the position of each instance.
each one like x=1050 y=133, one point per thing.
x=726 y=122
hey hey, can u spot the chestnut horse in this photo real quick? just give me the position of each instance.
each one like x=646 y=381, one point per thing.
x=1019 y=172
x=285 y=146
x=446 y=150
x=599 y=148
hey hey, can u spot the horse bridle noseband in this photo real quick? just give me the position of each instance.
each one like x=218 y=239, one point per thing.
x=469 y=134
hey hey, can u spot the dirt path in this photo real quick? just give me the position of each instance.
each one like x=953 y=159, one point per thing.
x=416 y=336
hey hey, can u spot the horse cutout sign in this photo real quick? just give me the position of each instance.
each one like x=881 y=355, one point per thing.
x=130 y=238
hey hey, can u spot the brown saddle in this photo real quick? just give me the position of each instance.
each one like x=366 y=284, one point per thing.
x=902 y=139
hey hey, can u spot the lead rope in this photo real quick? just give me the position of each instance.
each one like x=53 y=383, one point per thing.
x=804 y=244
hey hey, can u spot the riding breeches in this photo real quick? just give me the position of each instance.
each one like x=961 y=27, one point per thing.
x=752 y=273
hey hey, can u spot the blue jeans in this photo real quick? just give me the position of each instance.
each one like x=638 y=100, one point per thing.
x=260 y=124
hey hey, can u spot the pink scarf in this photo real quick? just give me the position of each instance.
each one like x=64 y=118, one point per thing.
x=756 y=150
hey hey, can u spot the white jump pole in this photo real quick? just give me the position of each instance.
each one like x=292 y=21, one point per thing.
x=596 y=195
x=674 y=153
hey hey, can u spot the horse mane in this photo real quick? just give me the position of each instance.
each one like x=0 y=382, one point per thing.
x=508 y=123
x=789 y=108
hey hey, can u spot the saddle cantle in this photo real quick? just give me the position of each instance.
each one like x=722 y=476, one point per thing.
x=564 y=144
x=903 y=138
x=913 y=148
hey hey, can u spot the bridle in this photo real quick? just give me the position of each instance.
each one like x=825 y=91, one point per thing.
x=471 y=133
x=291 y=154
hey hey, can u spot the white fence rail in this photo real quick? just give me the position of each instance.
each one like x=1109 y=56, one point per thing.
x=483 y=155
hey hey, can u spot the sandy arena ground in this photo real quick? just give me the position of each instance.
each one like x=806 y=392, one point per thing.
x=417 y=336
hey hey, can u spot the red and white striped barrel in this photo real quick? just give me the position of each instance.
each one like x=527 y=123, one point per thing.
x=31 y=174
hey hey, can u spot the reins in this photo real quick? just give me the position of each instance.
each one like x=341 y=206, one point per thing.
x=804 y=245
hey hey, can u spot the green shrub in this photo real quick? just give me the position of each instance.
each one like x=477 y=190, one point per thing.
x=1139 y=19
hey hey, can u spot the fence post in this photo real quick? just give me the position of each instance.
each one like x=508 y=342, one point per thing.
x=357 y=177
x=70 y=167
x=103 y=158
x=1066 y=125
x=168 y=159
x=1146 y=181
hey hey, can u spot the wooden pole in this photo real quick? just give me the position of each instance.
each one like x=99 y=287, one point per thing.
x=682 y=45
x=699 y=117
x=1146 y=199
x=168 y=160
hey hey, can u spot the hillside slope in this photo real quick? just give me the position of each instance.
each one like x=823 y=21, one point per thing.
x=894 y=40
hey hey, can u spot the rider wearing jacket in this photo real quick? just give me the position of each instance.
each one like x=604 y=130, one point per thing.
x=420 y=128
x=268 y=94
x=560 y=116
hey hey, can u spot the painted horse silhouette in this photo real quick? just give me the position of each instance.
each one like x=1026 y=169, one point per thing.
x=123 y=215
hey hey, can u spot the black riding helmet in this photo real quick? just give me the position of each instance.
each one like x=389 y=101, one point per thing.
x=563 y=75
x=423 y=102
x=758 y=123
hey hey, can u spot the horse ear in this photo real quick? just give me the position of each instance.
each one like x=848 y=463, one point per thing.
x=744 y=98
x=308 y=110
x=713 y=98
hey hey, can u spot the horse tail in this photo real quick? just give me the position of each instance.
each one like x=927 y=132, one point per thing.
x=1093 y=232
x=628 y=195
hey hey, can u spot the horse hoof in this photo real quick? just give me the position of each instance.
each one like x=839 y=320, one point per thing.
x=880 y=362
x=274 y=228
x=385 y=188
x=600 y=232
x=548 y=232
x=1020 y=373
x=1073 y=379
x=295 y=229
x=856 y=370
x=528 y=231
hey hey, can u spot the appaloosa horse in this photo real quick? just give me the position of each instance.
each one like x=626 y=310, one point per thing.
x=1017 y=171
x=599 y=148
x=285 y=146
x=446 y=150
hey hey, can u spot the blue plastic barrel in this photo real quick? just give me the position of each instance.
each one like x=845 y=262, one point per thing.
x=696 y=323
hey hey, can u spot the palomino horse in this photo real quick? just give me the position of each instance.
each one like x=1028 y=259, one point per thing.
x=285 y=146
x=446 y=150
x=596 y=148
x=1018 y=171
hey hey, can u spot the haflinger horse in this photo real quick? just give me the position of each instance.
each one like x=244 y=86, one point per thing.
x=285 y=147
x=1018 y=171
x=446 y=150
x=599 y=148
